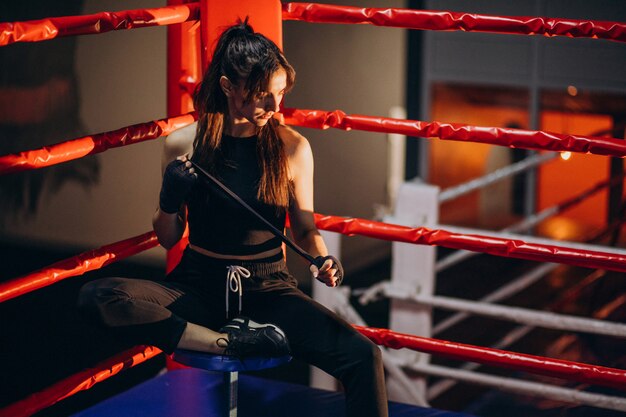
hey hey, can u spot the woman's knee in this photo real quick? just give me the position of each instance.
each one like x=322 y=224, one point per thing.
x=95 y=294
x=362 y=361
x=360 y=356
x=365 y=351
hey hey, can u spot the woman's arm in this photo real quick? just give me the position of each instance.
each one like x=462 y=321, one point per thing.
x=303 y=227
x=301 y=211
x=169 y=227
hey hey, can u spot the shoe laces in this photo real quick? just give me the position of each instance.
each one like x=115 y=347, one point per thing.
x=230 y=349
x=234 y=273
x=236 y=344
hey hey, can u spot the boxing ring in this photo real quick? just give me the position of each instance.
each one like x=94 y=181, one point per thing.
x=400 y=348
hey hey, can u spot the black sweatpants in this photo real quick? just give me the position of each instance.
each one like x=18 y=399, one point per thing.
x=157 y=312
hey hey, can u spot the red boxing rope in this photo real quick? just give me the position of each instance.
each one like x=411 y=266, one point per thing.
x=573 y=371
x=444 y=20
x=485 y=244
x=319 y=119
x=45 y=29
x=98 y=258
x=513 y=138
x=77 y=265
x=79 y=382
x=55 y=27
x=87 y=145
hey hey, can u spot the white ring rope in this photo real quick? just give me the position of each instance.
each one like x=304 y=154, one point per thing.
x=513 y=314
x=465 y=373
x=507 y=340
x=506 y=291
x=516 y=286
x=524 y=387
x=495 y=176
x=526 y=224
x=506 y=384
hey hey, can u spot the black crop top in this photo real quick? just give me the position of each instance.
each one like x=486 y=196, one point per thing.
x=218 y=223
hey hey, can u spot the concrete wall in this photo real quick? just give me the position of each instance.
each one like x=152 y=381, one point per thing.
x=121 y=82
x=359 y=69
x=519 y=60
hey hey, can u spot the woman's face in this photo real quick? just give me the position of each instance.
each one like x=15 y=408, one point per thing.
x=260 y=108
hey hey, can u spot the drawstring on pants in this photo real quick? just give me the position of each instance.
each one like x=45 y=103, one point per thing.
x=234 y=274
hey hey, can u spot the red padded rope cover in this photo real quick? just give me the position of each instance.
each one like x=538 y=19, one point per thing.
x=45 y=29
x=574 y=371
x=55 y=27
x=79 y=382
x=514 y=138
x=320 y=119
x=444 y=20
x=87 y=145
x=98 y=258
x=498 y=246
x=486 y=244
x=77 y=265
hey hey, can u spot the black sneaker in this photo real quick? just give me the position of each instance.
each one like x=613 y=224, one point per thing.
x=248 y=338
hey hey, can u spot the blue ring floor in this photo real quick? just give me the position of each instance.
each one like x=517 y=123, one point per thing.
x=198 y=393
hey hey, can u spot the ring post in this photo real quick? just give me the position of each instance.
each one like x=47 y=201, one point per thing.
x=183 y=73
x=183 y=65
x=413 y=271
x=265 y=16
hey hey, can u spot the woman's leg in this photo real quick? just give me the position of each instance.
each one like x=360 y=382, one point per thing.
x=321 y=338
x=202 y=339
x=164 y=314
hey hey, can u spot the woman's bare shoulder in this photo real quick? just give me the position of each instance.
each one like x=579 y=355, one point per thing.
x=298 y=151
x=179 y=142
x=296 y=145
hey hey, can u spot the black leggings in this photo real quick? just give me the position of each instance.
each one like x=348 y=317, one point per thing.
x=156 y=313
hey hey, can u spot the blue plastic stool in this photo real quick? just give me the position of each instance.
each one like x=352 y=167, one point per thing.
x=231 y=366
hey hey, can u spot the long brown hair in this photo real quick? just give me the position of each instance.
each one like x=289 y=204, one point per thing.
x=243 y=55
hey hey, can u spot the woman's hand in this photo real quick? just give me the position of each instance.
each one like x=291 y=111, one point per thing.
x=330 y=271
x=178 y=178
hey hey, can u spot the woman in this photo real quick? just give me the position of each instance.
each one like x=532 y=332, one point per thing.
x=270 y=166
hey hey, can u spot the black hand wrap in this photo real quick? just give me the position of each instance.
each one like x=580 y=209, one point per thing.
x=319 y=261
x=177 y=182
